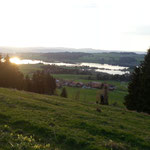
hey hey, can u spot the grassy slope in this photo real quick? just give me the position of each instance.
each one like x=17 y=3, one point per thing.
x=71 y=124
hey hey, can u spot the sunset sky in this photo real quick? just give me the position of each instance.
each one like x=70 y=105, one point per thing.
x=99 y=24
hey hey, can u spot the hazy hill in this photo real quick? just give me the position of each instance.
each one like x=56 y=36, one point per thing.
x=56 y=49
x=112 y=58
x=72 y=55
x=36 y=120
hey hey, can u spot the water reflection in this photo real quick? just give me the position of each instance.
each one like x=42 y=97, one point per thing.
x=97 y=67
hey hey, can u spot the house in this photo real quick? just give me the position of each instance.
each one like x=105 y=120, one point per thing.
x=95 y=85
x=79 y=84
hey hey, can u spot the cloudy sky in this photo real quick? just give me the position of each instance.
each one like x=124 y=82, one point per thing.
x=99 y=24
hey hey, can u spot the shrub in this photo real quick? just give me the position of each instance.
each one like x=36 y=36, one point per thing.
x=64 y=93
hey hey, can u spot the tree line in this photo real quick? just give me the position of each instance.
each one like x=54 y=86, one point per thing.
x=104 y=76
x=54 y=69
x=10 y=77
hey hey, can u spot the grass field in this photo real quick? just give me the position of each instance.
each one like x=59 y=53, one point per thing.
x=91 y=95
x=29 y=69
x=34 y=121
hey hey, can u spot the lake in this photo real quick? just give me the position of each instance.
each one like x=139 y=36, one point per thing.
x=111 y=69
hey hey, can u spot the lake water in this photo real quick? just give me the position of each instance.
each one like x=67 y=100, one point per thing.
x=111 y=69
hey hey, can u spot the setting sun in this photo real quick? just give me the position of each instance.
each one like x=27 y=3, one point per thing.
x=15 y=60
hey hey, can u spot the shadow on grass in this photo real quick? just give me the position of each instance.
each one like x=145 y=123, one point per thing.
x=4 y=119
x=68 y=141
x=48 y=135
x=114 y=135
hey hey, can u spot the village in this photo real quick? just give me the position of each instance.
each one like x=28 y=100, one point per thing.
x=90 y=85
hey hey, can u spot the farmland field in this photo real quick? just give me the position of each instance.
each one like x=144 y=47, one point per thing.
x=116 y=96
x=91 y=95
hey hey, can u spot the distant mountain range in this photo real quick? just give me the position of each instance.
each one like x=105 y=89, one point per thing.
x=57 y=49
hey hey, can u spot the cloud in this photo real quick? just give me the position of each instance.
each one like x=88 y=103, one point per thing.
x=86 y=5
x=91 y=5
x=141 y=30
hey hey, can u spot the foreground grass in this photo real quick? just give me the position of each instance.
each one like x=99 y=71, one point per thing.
x=68 y=124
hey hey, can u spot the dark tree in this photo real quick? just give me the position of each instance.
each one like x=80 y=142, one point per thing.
x=43 y=82
x=28 y=83
x=134 y=89
x=64 y=93
x=10 y=77
x=138 y=97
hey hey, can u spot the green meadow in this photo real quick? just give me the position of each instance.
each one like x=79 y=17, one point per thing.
x=34 y=121
x=91 y=95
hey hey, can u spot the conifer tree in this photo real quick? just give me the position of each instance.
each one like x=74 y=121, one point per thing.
x=43 y=83
x=28 y=84
x=138 y=97
x=10 y=77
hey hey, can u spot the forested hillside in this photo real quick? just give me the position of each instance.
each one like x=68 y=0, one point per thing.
x=112 y=58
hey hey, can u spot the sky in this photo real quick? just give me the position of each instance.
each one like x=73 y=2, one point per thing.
x=98 y=24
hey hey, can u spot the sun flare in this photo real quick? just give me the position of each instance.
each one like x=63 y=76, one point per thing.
x=15 y=60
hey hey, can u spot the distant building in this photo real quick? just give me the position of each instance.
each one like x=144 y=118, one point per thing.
x=95 y=85
x=111 y=87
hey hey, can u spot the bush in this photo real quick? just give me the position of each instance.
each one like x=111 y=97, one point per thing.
x=64 y=93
